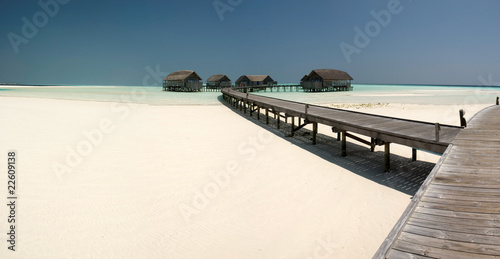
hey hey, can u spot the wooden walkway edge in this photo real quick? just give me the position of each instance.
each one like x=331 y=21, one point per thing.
x=456 y=212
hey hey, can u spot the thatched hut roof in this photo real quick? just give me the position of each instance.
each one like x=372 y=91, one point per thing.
x=218 y=78
x=255 y=78
x=181 y=75
x=330 y=74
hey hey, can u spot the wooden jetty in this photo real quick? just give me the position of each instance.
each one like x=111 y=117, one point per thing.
x=382 y=130
x=271 y=88
x=456 y=212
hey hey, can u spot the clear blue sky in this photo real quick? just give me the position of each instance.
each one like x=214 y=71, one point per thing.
x=113 y=42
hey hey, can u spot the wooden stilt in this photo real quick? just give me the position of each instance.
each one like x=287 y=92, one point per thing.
x=245 y=107
x=267 y=116
x=315 y=132
x=278 y=120
x=387 y=157
x=437 y=128
x=338 y=136
x=463 y=122
x=413 y=154
x=293 y=126
x=258 y=112
x=344 y=143
x=372 y=146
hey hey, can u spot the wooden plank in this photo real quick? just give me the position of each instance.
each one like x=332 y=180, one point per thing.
x=457 y=214
x=460 y=208
x=450 y=245
x=487 y=231
x=395 y=254
x=458 y=221
x=454 y=236
x=457 y=197
x=433 y=252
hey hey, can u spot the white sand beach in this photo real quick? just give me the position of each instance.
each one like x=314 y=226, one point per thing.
x=120 y=180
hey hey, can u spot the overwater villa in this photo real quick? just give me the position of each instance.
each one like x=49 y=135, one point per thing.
x=324 y=80
x=218 y=81
x=183 y=81
x=255 y=80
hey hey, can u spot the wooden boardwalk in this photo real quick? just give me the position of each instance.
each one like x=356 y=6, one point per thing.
x=456 y=212
x=381 y=129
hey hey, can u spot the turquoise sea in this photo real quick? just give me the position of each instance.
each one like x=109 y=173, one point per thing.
x=362 y=93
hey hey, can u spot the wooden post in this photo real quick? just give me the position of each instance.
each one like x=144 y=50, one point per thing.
x=278 y=120
x=245 y=107
x=250 y=108
x=372 y=146
x=258 y=112
x=387 y=157
x=315 y=132
x=267 y=116
x=293 y=126
x=437 y=128
x=338 y=136
x=497 y=100
x=344 y=144
x=413 y=154
x=463 y=122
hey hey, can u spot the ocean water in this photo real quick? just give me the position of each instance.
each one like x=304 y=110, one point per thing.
x=362 y=93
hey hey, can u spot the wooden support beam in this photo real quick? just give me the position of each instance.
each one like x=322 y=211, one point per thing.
x=338 y=136
x=372 y=145
x=300 y=125
x=387 y=157
x=245 y=107
x=267 y=116
x=293 y=126
x=258 y=112
x=463 y=122
x=358 y=139
x=250 y=108
x=278 y=120
x=437 y=128
x=497 y=100
x=315 y=132
x=344 y=143
x=413 y=154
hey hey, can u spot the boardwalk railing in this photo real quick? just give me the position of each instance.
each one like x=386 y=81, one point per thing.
x=382 y=130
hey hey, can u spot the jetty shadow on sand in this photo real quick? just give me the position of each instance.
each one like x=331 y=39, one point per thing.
x=405 y=176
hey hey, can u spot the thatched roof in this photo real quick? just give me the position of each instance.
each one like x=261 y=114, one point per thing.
x=330 y=74
x=255 y=78
x=181 y=75
x=218 y=78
